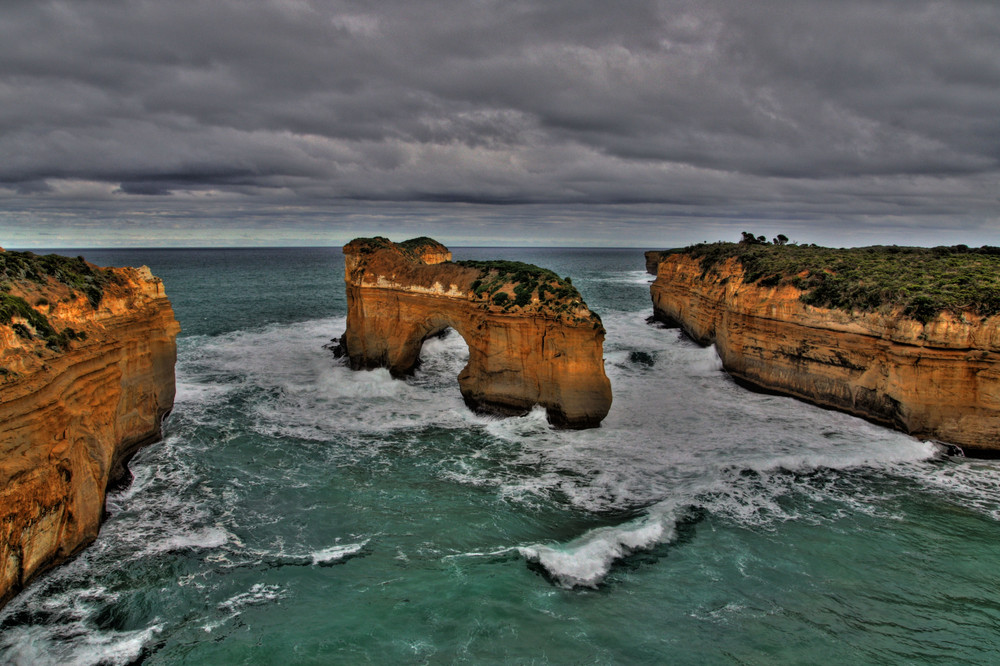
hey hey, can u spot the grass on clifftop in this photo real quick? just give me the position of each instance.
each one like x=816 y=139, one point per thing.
x=921 y=281
x=411 y=249
x=75 y=273
x=422 y=244
x=527 y=280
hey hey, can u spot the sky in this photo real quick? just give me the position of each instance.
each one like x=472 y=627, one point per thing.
x=144 y=123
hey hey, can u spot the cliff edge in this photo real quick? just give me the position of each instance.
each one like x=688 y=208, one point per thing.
x=86 y=375
x=531 y=338
x=893 y=357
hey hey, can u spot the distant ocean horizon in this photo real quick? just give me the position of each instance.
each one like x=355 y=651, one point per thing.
x=299 y=512
x=73 y=250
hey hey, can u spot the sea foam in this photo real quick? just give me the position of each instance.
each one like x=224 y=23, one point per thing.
x=586 y=560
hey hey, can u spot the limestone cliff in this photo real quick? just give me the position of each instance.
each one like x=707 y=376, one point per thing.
x=532 y=340
x=936 y=380
x=653 y=260
x=86 y=375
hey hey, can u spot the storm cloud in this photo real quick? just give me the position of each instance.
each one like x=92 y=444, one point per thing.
x=605 y=118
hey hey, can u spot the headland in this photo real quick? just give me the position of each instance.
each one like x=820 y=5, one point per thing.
x=86 y=376
x=906 y=337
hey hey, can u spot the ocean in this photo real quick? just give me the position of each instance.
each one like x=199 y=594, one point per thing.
x=297 y=512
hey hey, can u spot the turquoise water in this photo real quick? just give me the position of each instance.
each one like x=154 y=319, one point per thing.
x=297 y=512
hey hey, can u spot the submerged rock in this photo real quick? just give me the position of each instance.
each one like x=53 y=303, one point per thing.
x=642 y=358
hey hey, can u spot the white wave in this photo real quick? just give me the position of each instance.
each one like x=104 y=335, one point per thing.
x=337 y=553
x=585 y=561
x=259 y=594
x=209 y=537
x=492 y=553
x=297 y=389
x=441 y=359
x=975 y=484
x=518 y=428
x=68 y=638
x=74 y=646
x=198 y=394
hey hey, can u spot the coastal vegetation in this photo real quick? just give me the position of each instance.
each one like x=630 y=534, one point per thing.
x=417 y=246
x=514 y=283
x=74 y=272
x=28 y=321
x=412 y=249
x=921 y=282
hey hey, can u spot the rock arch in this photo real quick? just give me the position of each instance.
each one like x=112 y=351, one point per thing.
x=545 y=350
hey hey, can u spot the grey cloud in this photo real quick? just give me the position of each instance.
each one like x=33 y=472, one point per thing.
x=809 y=110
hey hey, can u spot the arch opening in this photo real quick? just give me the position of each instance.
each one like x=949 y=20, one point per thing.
x=442 y=356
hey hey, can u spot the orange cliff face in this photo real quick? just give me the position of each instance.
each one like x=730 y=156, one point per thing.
x=71 y=415
x=548 y=351
x=940 y=380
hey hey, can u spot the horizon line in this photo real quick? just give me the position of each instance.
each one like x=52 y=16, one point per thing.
x=300 y=247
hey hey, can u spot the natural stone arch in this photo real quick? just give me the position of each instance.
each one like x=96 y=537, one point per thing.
x=411 y=349
x=544 y=352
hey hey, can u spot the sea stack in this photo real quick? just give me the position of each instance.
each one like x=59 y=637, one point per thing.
x=86 y=375
x=817 y=324
x=532 y=340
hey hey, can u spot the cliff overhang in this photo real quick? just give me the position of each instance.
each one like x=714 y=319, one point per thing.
x=532 y=340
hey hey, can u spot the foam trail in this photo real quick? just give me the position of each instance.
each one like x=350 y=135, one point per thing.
x=586 y=560
x=209 y=537
x=259 y=594
x=334 y=554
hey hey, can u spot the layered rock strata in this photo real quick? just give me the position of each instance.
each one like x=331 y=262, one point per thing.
x=82 y=387
x=532 y=340
x=939 y=380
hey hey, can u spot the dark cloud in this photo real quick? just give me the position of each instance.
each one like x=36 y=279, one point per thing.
x=809 y=112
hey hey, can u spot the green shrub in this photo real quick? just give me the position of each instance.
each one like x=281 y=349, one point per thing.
x=920 y=281
x=11 y=306
x=527 y=280
x=74 y=272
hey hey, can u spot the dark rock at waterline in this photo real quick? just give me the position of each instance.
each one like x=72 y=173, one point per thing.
x=336 y=345
x=642 y=358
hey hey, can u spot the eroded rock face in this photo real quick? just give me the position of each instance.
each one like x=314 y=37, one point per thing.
x=546 y=351
x=940 y=380
x=71 y=417
x=653 y=260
